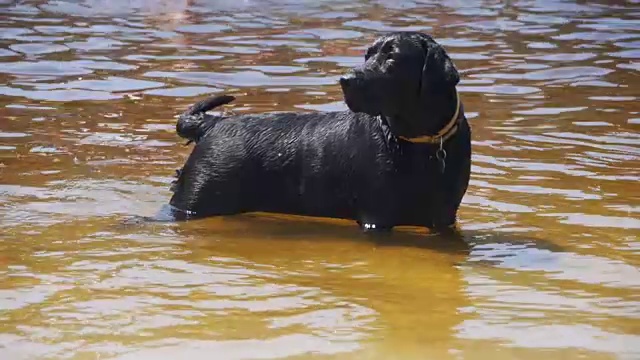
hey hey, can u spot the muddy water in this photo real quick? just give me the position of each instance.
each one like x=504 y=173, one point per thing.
x=549 y=262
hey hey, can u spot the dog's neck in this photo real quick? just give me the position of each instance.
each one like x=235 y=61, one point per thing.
x=445 y=132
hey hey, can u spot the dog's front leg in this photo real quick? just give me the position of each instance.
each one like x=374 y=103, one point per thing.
x=370 y=227
x=376 y=210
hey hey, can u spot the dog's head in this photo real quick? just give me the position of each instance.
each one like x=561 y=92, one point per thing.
x=408 y=78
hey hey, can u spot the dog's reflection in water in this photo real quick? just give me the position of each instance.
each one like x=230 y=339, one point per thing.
x=267 y=226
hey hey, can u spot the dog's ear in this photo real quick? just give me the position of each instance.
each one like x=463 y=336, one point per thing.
x=438 y=71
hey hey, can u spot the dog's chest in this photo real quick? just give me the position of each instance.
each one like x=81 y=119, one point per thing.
x=415 y=174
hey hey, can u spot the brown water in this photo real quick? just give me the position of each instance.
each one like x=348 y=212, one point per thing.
x=549 y=267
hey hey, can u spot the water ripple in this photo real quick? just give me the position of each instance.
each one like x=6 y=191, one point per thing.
x=90 y=91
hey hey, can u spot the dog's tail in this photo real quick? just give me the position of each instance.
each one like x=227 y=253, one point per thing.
x=193 y=123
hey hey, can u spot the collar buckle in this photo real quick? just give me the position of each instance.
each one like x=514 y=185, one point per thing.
x=441 y=155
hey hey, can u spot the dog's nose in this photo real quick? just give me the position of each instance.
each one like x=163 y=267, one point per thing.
x=347 y=79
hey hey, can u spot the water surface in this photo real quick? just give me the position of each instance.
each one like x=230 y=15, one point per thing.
x=548 y=264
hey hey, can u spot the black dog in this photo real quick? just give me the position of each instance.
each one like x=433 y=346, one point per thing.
x=402 y=157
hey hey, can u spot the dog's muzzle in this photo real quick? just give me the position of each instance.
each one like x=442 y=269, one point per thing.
x=348 y=82
x=355 y=92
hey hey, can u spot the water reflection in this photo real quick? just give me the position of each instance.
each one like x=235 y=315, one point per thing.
x=546 y=263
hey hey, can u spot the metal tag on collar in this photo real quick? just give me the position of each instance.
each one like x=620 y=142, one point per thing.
x=441 y=155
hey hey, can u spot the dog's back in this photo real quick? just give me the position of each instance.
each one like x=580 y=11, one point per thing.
x=281 y=163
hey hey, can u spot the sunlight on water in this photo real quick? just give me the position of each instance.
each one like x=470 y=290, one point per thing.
x=547 y=265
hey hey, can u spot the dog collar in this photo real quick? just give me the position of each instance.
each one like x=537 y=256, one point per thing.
x=442 y=135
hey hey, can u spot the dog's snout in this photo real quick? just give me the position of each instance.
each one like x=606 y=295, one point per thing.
x=347 y=79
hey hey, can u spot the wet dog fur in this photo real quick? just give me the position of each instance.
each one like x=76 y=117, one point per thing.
x=360 y=164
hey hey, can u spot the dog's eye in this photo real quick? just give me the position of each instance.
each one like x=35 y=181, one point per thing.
x=369 y=53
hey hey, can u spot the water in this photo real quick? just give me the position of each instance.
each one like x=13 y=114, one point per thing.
x=549 y=266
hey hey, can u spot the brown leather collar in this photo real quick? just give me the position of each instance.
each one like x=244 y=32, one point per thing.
x=444 y=134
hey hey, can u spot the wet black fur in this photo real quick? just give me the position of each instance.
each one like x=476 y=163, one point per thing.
x=347 y=164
